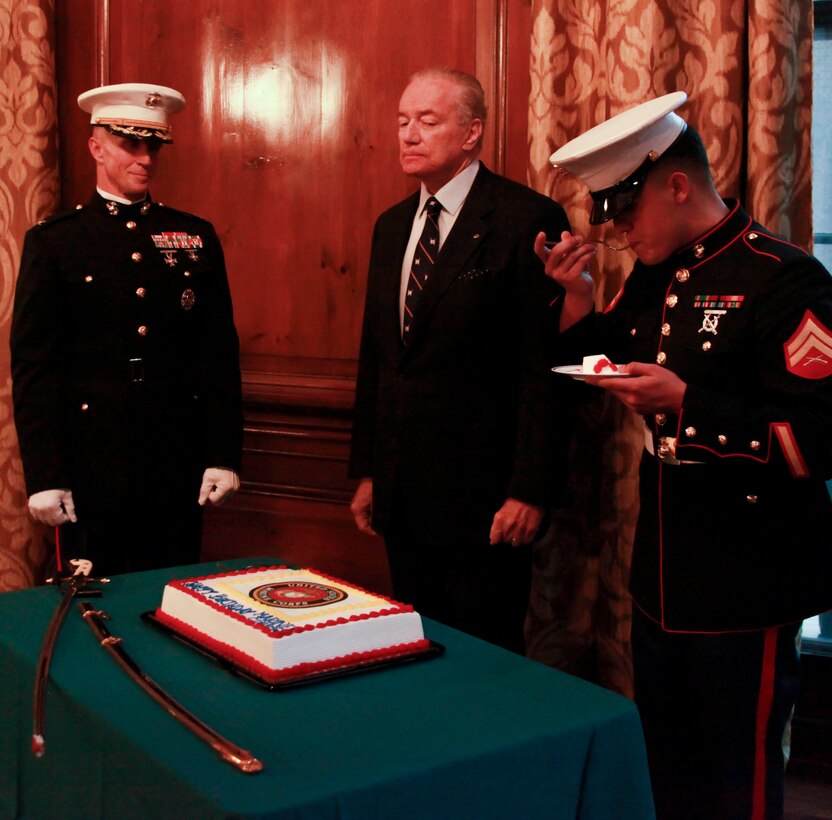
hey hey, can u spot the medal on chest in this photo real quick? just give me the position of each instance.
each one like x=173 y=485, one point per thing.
x=170 y=243
x=715 y=307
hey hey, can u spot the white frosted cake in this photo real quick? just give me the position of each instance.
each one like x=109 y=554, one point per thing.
x=281 y=624
x=597 y=366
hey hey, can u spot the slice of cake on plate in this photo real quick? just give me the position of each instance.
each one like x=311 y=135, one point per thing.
x=598 y=366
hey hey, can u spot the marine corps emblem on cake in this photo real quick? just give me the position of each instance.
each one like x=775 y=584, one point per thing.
x=297 y=594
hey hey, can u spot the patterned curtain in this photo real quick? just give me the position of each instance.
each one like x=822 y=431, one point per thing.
x=746 y=66
x=28 y=192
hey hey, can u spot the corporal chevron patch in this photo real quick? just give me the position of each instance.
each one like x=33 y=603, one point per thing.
x=809 y=350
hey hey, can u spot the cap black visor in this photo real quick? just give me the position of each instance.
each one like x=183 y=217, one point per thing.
x=608 y=203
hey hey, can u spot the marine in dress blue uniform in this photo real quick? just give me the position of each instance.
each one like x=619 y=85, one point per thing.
x=732 y=549
x=125 y=358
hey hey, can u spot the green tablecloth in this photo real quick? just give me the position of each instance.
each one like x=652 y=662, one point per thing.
x=476 y=733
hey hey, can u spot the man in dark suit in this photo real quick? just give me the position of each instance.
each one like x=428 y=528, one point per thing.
x=125 y=359
x=457 y=443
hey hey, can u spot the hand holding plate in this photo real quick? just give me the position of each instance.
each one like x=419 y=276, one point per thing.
x=649 y=388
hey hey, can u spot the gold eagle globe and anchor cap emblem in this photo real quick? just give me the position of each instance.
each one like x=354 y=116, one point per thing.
x=139 y=111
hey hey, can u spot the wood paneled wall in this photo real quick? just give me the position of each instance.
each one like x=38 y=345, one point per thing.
x=288 y=145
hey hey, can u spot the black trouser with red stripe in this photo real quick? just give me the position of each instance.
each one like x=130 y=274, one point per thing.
x=714 y=709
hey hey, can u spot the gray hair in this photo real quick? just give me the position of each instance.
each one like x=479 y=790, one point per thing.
x=471 y=104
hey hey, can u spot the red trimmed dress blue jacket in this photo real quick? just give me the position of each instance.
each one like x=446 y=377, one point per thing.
x=125 y=357
x=736 y=520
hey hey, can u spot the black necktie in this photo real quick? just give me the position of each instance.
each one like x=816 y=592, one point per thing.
x=424 y=258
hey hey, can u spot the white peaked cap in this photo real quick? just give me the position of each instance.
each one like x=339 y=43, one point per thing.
x=611 y=151
x=136 y=110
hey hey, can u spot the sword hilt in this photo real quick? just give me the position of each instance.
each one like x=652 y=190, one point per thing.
x=75 y=580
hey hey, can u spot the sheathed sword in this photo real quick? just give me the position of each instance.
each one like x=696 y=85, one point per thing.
x=70 y=586
x=228 y=751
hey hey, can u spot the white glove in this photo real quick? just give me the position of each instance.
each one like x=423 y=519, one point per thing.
x=218 y=485
x=52 y=507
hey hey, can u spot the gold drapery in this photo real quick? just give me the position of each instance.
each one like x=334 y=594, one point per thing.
x=746 y=66
x=28 y=192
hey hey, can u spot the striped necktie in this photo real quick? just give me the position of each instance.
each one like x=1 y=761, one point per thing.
x=424 y=258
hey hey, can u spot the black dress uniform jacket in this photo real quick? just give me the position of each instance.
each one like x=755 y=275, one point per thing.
x=125 y=359
x=465 y=415
x=736 y=520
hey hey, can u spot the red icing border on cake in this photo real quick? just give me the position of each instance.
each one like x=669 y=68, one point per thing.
x=300 y=670
x=180 y=585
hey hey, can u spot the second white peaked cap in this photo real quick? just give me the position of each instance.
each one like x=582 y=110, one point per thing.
x=137 y=110
x=609 y=153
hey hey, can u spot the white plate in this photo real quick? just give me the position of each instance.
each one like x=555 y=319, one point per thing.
x=575 y=371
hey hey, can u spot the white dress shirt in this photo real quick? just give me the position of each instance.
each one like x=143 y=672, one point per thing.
x=451 y=197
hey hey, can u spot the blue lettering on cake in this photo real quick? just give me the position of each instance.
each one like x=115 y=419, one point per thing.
x=220 y=598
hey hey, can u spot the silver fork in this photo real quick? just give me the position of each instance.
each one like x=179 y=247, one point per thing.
x=550 y=245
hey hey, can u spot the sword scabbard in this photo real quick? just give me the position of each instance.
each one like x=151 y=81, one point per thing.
x=228 y=751
x=42 y=671
x=71 y=586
